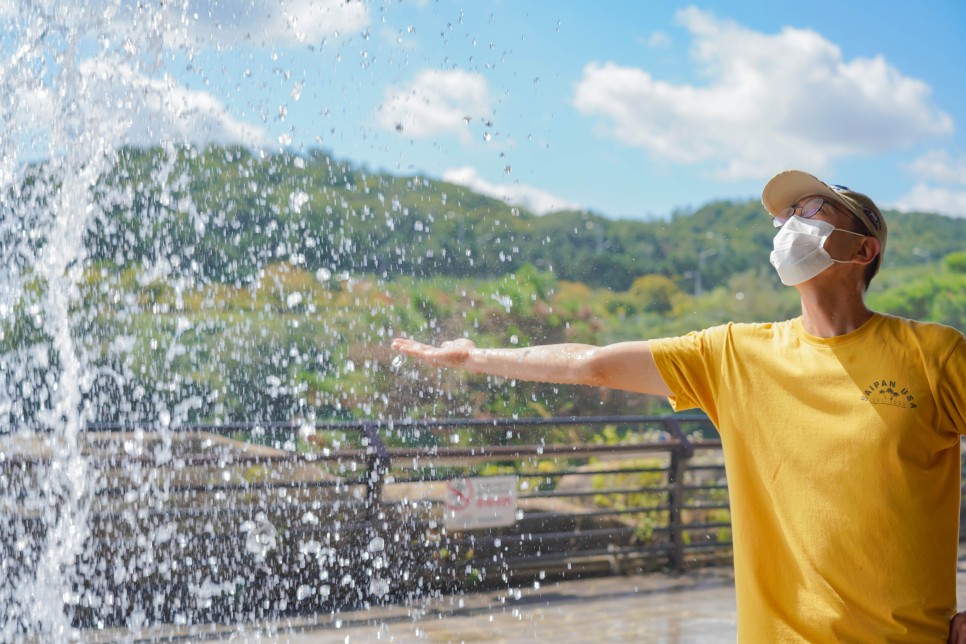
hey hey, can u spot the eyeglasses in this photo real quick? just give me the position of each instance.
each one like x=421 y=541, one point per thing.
x=809 y=210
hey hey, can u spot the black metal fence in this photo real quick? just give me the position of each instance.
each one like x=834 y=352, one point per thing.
x=638 y=499
x=246 y=521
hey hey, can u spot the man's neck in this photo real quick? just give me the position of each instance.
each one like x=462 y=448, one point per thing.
x=832 y=312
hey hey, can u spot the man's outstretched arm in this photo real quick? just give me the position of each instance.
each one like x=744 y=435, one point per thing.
x=626 y=365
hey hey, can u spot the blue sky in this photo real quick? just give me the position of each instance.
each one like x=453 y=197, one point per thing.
x=630 y=109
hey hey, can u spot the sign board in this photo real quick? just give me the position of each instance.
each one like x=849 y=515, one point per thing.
x=483 y=502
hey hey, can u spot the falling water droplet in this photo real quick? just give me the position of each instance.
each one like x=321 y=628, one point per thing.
x=261 y=538
x=311 y=547
x=378 y=587
x=377 y=544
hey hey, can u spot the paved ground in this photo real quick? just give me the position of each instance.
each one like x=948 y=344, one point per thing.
x=696 y=607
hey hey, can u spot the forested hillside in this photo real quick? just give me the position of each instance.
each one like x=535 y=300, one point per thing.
x=230 y=212
x=222 y=285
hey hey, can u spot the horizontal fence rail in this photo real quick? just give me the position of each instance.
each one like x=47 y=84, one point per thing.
x=242 y=521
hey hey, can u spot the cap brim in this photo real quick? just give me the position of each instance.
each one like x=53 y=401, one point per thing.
x=786 y=188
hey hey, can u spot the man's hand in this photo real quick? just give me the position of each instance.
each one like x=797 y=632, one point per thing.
x=449 y=354
x=957 y=629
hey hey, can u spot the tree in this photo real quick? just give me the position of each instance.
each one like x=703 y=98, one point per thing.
x=656 y=293
x=955 y=262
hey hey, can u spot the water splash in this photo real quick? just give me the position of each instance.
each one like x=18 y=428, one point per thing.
x=68 y=77
x=89 y=331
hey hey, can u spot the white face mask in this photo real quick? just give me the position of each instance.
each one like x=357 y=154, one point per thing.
x=800 y=253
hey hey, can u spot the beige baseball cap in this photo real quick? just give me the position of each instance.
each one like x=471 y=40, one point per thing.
x=788 y=187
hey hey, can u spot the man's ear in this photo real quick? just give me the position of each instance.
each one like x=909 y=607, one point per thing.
x=867 y=251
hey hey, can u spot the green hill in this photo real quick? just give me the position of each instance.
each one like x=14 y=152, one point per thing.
x=221 y=285
x=230 y=212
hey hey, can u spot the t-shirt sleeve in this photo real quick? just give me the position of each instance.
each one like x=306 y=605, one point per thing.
x=689 y=368
x=951 y=387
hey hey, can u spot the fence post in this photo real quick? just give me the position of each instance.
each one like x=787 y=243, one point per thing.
x=377 y=466
x=680 y=456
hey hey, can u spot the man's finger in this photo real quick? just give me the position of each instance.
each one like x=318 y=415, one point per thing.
x=459 y=343
x=406 y=345
x=957 y=629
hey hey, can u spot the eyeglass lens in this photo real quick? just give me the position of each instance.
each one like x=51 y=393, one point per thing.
x=811 y=207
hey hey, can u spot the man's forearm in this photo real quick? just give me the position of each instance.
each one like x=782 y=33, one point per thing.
x=558 y=363
x=624 y=365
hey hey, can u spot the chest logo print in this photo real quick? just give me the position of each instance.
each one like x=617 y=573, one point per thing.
x=887 y=392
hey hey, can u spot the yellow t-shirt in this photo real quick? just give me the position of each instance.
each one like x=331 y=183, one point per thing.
x=843 y=460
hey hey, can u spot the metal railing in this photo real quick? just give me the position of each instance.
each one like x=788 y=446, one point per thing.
x=243 y=521
x=274 y=518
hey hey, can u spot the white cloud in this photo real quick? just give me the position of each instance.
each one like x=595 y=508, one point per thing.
x=533 y=199
x=939 y=166
x=116 y=96
x=772 y=101
x=941 y=187
x=162 y=109
x=658 y=40
x=927 y=198
x=123 y=106
x=436 y=102
x=226 y=23
x=221 y=24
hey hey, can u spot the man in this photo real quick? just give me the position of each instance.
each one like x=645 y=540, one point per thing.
x=841 y=431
